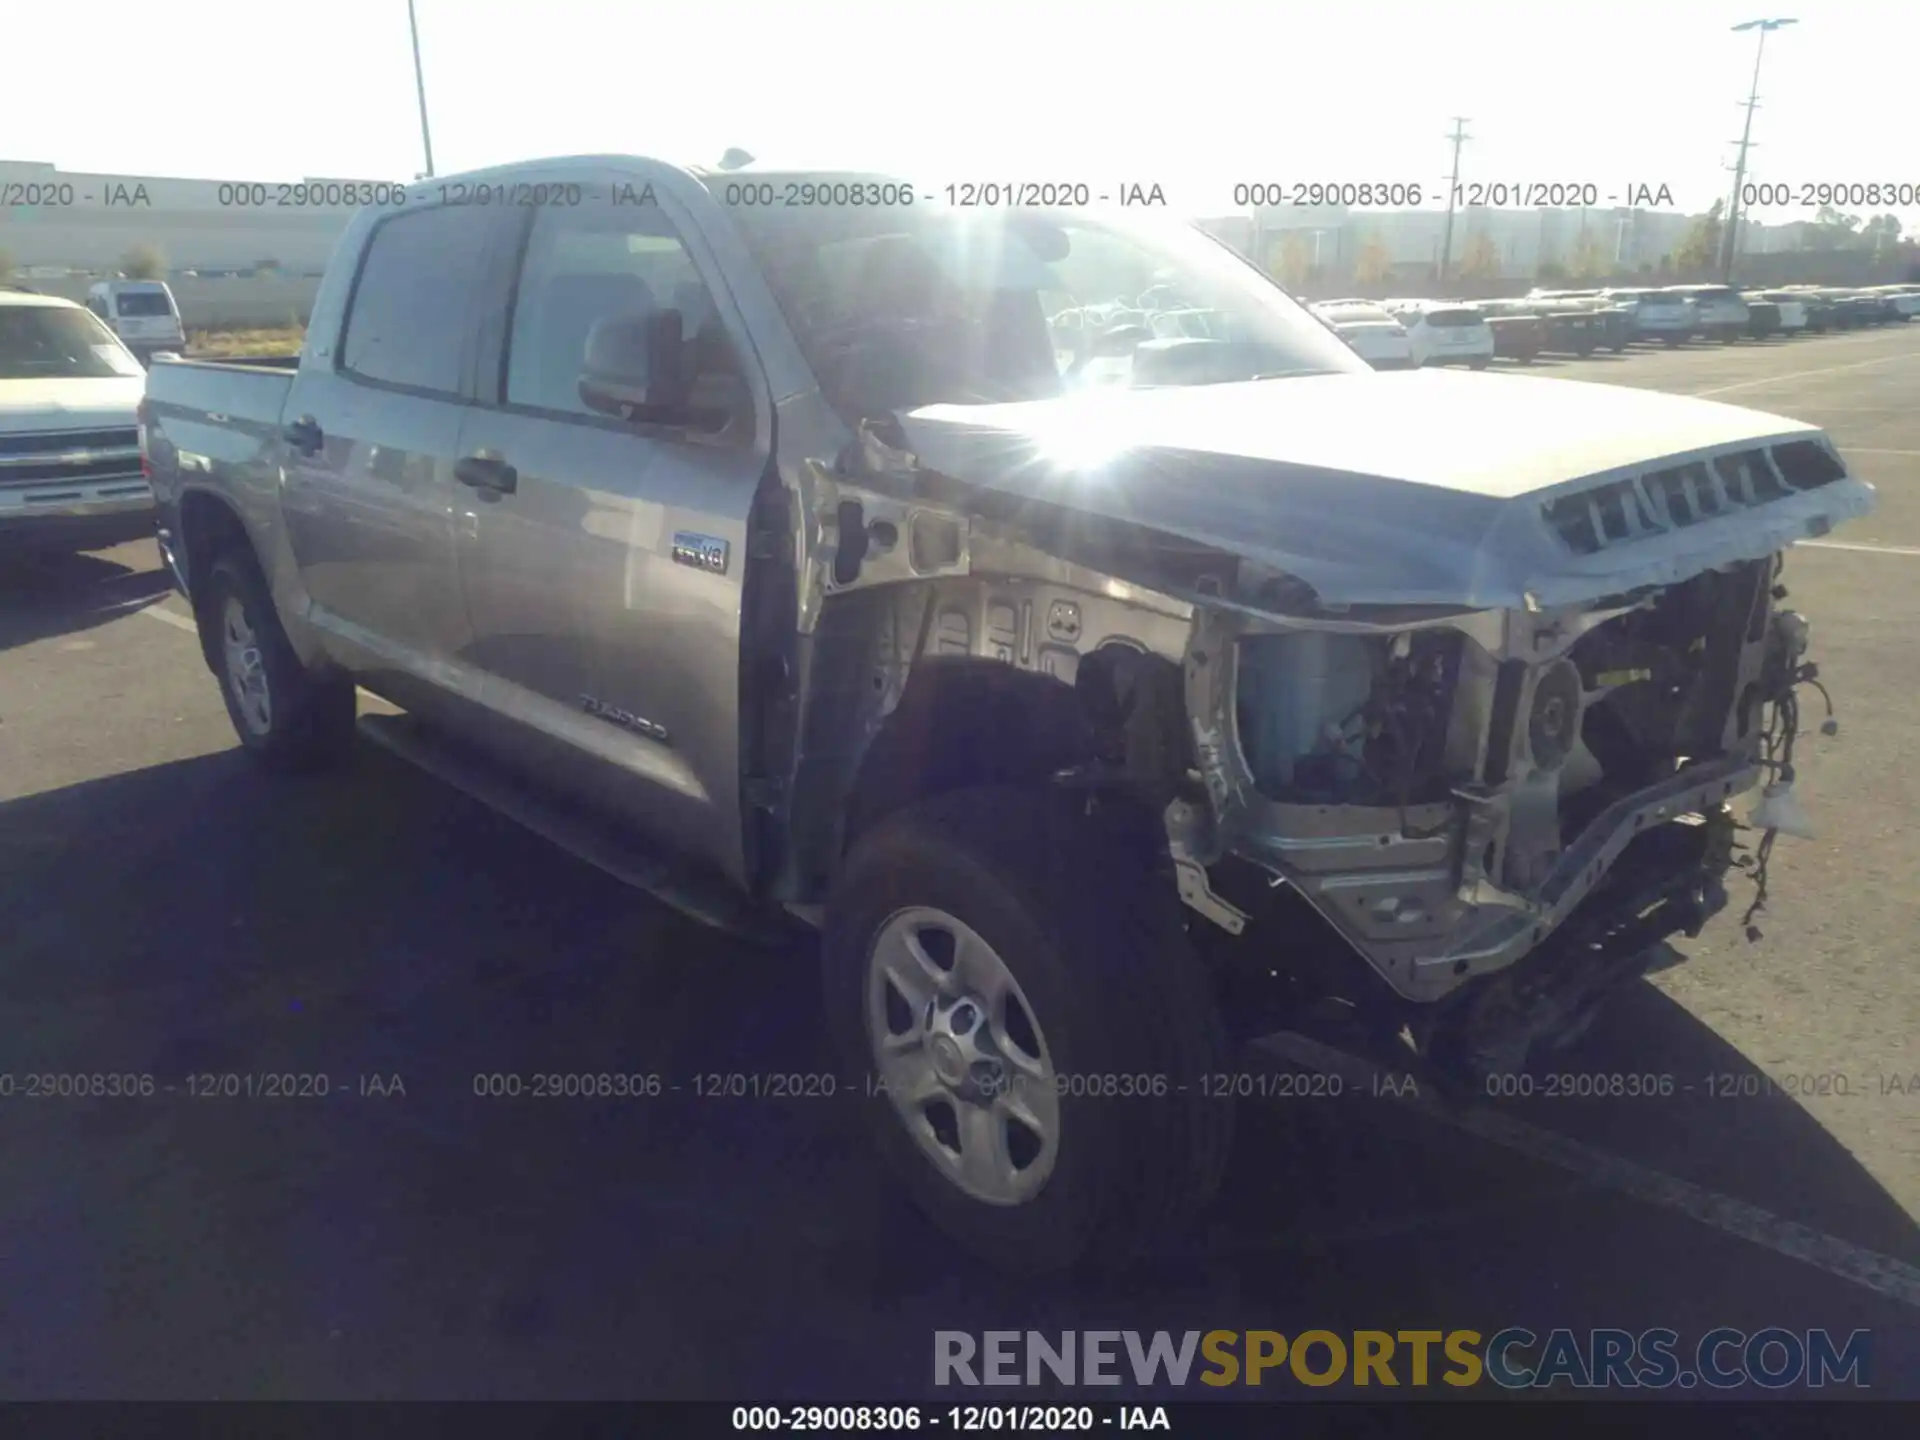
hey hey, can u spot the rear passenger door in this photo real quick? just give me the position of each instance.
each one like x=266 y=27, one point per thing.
x=604 y=584
x=370 y=493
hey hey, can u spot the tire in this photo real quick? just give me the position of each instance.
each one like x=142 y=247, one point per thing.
x=289 y=719
x=1083 y=913
x=1478 y=364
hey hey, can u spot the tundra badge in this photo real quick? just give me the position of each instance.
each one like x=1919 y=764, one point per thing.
x=702 y=552
x=624 y=718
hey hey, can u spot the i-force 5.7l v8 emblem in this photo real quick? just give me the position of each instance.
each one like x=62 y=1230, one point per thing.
x=702 y=552
x=625 y=718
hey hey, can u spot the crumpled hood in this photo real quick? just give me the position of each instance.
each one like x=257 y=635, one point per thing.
x=69 y=404
x=1420 y=487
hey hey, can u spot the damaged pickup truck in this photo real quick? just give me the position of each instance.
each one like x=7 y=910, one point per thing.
x=757 y=537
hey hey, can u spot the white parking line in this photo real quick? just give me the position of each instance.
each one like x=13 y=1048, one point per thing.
x=167 y=617
x=1804 y=374
x=1882 y=1274
x=1867 y=450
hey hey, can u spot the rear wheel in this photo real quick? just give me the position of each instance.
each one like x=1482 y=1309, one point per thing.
x=1479 y=364
x=287 y=717
x=1013 y=977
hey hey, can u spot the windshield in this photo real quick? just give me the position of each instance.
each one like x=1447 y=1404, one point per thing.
x=143 y=302
x=43 y=342
x=896 y=308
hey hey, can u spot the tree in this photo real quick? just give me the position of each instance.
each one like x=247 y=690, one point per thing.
x=1295 y=260
x=1882 y=231
x=1700 y=246
x=144 y=262
x=1373 y=263
x=1481 y=259
x=1551 y=271
x=1589 y=259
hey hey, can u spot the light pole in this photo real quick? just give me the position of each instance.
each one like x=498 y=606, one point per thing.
x=420 y=84
x=1459 y=138
x=1746 y=132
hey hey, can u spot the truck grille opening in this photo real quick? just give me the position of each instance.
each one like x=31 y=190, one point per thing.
x=1660 y=501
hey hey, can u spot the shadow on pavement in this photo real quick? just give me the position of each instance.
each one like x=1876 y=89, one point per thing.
x=48 y=594
x=408 y=1235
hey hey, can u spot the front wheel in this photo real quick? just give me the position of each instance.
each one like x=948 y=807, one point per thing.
x=287 y=717
x=1479 y=364
x=1013 y=978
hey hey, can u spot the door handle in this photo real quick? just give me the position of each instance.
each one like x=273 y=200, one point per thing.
x=486 y=472
x=303 y=434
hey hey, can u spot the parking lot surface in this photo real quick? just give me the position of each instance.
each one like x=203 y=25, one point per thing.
x=165 y=911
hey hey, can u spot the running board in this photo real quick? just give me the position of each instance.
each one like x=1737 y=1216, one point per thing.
x=585 y=836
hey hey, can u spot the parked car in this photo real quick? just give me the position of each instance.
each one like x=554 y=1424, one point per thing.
x=1763 y=318
x=1719 y=312
x=1444 y=332
x=764 y=557
x=1376 y=337
x=1790 y=310
x=1516 y=336
x=1658 y=314
x=1905 y=299
x=143 y=313
x=1613 y=322
x=1816 y=310
x=70 y=471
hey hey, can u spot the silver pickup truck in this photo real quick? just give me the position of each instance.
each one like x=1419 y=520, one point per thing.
x=752 y=536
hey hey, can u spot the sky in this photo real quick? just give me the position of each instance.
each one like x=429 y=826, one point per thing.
x=1192 y=95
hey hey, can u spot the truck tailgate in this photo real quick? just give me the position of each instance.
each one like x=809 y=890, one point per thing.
x=214 y=420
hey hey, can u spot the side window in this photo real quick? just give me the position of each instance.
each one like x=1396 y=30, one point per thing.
x=416 y=293
x=588 y=266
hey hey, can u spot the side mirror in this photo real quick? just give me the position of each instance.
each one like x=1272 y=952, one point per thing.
x=635 y=368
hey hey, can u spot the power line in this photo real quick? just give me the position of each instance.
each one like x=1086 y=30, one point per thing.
x=1459 y=137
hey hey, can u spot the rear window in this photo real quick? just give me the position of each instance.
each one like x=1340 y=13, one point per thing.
x=48 y=342
x=142 y=303
x=1713 y=294
x=1453 y=319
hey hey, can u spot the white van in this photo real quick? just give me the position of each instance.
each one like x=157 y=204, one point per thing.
x=141 y=312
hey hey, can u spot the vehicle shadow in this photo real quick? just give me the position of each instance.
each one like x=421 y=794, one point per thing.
x=454 y=1236
x=48 y=594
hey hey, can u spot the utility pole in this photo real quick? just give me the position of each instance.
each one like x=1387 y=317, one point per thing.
x=1459 y=137
x=420 y=84
x=1746 y=134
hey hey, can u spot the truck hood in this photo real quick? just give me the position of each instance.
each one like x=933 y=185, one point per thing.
x=1397 y=488
x=69 y=404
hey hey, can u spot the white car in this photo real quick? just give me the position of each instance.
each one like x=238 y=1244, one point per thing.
x=1793 y=310
x=1444 y=332
x=143 y=313
x=1376 y=337
x=70 y=470
x=1906 y=298
x=1718 y=311
x=1657 y=314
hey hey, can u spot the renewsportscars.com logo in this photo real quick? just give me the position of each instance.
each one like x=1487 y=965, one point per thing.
x=1515 y=1358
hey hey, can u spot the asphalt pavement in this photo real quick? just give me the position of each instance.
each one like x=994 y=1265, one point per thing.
x=167 y=912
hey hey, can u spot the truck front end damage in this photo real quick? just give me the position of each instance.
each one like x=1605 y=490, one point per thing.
x=1489 y=733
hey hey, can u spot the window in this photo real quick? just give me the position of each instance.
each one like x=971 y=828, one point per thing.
x=900 y=307
x=587 y=264
x=144 y=303
x=417 y=289
x=52 y=342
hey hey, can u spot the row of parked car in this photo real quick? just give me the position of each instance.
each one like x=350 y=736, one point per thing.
x=1400 y=334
